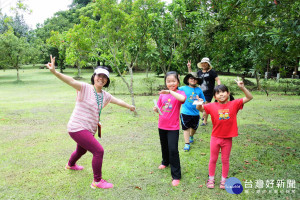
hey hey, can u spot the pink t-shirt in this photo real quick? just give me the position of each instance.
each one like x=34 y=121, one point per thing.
x=85 y=115
x=223 y=117
x=170 y=108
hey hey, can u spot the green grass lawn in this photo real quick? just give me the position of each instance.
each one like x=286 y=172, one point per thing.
x=35 y=145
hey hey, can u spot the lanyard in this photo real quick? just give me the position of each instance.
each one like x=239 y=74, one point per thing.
x=98 y=101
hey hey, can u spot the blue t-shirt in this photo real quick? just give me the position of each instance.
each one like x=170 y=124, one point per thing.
x=188 y=108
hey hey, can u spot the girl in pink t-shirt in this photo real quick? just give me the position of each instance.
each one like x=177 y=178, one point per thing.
x=223 y=116
x=169 y=104
x=85 y=119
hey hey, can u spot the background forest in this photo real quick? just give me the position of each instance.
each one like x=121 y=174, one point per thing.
x=250 y=37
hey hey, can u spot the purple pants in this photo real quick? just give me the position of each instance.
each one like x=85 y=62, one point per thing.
x=87 y=142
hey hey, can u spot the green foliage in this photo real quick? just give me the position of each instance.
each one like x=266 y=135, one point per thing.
x=81 y=2
x=237 y=36
x=149 y=82
x=13 y=50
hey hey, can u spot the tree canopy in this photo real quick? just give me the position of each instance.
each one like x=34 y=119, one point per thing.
x=242 y=36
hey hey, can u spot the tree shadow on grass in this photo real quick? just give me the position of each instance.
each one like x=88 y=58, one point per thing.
x=8 y=77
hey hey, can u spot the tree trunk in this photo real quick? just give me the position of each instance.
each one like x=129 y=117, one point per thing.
x=61 y=65
x=257 y=80
x=296 y=66
x=18 y=77
x=268 y=65
x=171 y=58
x=17 y=67
x=131 y=87
x=78 y=70
x=147 y=71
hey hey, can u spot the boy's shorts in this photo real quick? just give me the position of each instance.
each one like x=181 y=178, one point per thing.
x=189 y=121
x=208 y=98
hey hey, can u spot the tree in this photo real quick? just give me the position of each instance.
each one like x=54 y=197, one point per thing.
x=13 y=50
x=58 y=40
x=163 y=33
x=80 y=2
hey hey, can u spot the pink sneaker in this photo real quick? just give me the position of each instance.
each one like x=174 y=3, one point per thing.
x=175 y=182
x=75 y=167
x=102 y=184
x=162 y=166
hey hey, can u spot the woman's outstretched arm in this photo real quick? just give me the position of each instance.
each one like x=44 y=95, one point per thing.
x=67 y=79
x=122 y=103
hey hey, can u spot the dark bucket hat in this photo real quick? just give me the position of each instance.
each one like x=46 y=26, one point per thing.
x=192 y=75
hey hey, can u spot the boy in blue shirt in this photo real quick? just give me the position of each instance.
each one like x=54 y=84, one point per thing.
x=189 y=114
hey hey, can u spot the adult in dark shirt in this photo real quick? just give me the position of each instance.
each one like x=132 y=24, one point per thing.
x=209 y=77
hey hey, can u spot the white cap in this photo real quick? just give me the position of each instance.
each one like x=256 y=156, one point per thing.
x=102 y=71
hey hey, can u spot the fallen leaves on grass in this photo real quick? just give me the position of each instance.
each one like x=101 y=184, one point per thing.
x=200 y=186
x=150 y=172
x=203 y=154
x=247 y=162
x=137 y=187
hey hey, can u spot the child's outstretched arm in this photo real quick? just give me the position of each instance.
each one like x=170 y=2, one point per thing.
x=248 y=95
x=179 y=97
x=121 y=103
x=67 y=79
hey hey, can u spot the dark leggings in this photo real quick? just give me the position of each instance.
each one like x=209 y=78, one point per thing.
x=87 y=142
x=169 y=149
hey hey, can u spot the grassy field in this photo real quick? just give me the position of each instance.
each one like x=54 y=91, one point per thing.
x=35 y=146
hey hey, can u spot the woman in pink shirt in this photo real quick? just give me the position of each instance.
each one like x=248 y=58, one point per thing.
x=169 y=104
x=86 y=118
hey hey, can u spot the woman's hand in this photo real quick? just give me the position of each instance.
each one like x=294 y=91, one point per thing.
x=132 y=108
x=155 y=109
x=189 y=64
x=51 y=65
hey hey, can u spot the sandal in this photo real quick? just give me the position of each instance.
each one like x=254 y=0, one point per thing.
x=222 y=185
x=210 y=184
